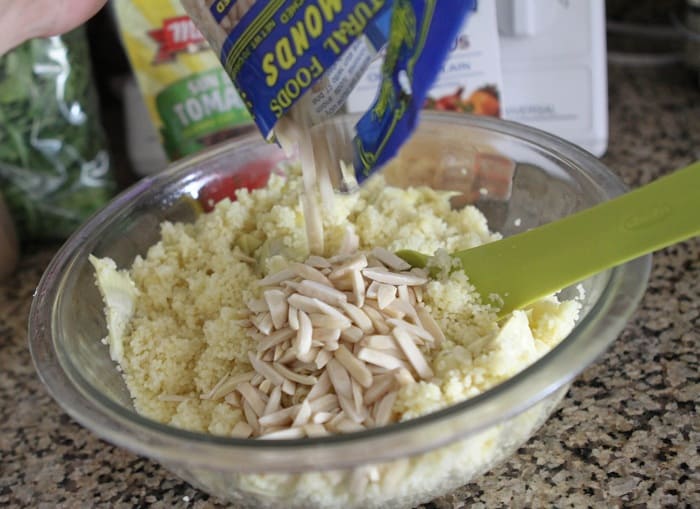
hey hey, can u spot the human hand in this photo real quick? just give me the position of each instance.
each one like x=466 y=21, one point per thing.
x=21 y=20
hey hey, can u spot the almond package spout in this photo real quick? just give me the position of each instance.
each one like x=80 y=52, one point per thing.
x=295 y=62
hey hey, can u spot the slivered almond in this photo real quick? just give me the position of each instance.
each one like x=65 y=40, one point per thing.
x=276 y=338
x=326 y=335
x=304 y=334
x=257 y=305
x=376 y=318
x=412 y=329
x=356 y=262
x=326 y=403
x=313 y=430
x=420 y=272
x=266 y=386
x=378 y=370
x=331 y=346
x=348 y=406
x=293 y=376
x=303 y=303
x=289 y=387
x=340 y=379
x=395 y=351
x=250 y=416
x=352 y=334
x=321 y=417
x=284 y=434
x=308 y=358
x=288 y=356
x=394 y=278
x=307 y=272
x=257 y=379
x=392 y=311
x=380 y=341
x=412 y=296
x=413 y=354
x=279 y=418
x=241 y=430
x=372 y=290
x=268 y=356
x=389 y=259
x=379 y=358
x=233 y=399
x=277 y=277
x=430 y=325
x=263 y=322
x=218 y=384
x=418 y=293
x=346 y=425
x=358 y=287
x=279 y=350
x=325 y=321
x=321 y=291
x=357 y=397
x=293 y=318
x=322 y=358
x=273 y=402
x=400 y=308
x=383 y=409
x=334 y=312
x=343 y=284
x=277 y=303
x=403 y=376
x=303 y=415
x=265 y=369
x=373 y=261
x=255 y=334
x=382 y=385
x=321 y=388
x=386 y=294
x=318 y=262
x=358 y=316
x=253 y=397
x=354 y=366
x=403 y=293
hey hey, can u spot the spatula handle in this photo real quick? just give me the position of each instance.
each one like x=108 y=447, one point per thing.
x=533 y=264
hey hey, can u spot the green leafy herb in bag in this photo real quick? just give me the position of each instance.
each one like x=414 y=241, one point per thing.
x=54 y=167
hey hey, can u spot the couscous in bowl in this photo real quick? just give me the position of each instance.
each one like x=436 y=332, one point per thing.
x=398 y=465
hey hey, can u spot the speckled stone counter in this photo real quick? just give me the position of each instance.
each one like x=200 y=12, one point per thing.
x=626 y=435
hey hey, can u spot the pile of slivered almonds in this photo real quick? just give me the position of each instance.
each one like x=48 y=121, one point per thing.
x=336 y=339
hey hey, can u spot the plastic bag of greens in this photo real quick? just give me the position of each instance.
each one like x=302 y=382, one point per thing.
x=54 y=166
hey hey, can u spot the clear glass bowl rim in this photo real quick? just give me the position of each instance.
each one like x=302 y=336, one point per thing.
x=111 y=421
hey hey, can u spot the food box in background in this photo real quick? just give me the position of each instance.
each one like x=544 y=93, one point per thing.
x=470 y=80
x=189 y=98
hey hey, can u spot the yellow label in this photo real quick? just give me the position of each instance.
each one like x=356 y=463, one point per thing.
x=172 y=62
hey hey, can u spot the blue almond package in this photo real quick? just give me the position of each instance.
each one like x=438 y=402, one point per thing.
x=299 y=60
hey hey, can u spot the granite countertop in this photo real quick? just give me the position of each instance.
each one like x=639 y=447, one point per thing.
x=626 y=434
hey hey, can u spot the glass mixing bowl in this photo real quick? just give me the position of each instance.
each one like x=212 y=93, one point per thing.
x=407 y=463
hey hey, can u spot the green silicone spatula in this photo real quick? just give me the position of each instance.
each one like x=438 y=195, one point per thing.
x=528 y=266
